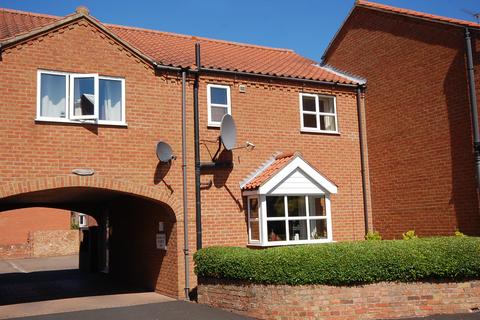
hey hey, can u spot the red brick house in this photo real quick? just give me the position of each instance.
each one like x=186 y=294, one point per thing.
x=418 y=116
x=84 y=105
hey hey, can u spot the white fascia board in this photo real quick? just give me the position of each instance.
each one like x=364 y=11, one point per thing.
x=298 y=162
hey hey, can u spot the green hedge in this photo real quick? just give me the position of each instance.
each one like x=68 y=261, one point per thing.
x=346 y=263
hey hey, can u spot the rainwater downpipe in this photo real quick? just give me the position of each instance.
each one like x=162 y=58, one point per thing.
x=185 y=197
x=362 y=156
x=198 y=204
x=473 y=104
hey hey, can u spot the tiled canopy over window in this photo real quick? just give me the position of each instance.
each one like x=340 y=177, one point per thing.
x=288 y=202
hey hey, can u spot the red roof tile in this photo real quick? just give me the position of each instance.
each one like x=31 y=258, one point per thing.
x=178 y=50
x=280 y=161
x=418 y=14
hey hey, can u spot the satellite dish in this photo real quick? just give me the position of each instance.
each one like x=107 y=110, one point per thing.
x=164 y=152
x=228 y=132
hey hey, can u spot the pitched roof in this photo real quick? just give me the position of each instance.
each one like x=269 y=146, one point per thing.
x=177 y=50
x=417 y=14
x=395 y=10
x=269 y=170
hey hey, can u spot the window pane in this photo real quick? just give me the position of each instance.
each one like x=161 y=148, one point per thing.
x=218 y=113
x=275 y=207
x=327 y=123
x=298 y=230
x=83 y=96
x=254 y=230
x=253 y=208
x=326 y=105
x=316 y=206
x=318 y=229
x=52 y=96
x=308 y=103
x=296 y=206
x=309 y=121
x=110 y=100
x=276 y=230
x=218 y=95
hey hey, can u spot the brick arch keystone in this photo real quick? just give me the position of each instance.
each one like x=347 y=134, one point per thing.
x=39 y=184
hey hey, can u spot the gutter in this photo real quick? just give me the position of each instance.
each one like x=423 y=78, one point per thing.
x=473 y=104
x=251 y=74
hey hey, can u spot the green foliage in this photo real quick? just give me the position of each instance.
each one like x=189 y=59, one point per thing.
x=373 y=235
x=459 y=234
x=409 y=235
x=345 y=263
x=74 y=225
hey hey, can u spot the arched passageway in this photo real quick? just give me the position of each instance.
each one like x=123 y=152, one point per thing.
x=123 y=247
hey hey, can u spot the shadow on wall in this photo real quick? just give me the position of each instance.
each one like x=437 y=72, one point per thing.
x=464 y=193
x=134 y=256
x=419 y=195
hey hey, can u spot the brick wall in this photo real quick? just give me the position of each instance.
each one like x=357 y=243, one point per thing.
x=54 y=243
x=16 y=225
x=374 y=301
x=418 y=121
x=38 y=154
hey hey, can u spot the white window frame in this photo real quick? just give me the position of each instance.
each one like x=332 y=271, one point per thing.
x=250 y=219
x=317 y=113
x=84 y=223
x=228 y=106
x=69 y=100
x=264 y=219
x=93 y=116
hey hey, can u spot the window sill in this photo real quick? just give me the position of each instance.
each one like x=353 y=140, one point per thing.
x=213 y=126
x=332 y=133
x=89 y=122
x=290 y=243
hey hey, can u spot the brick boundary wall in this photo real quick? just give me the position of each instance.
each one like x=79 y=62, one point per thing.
x=373 y=301
x=16 y=251
x=44 y=243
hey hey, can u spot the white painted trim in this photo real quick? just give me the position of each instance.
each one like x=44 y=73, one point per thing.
x=318 y=113
x=39 y=92
x=259 y=220
x=72 y=115
x=210 y=104
x=297 y=162
x=69 y=98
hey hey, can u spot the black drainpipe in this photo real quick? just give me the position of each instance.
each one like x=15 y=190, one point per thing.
x=362 y=156
x=198 y=204
x=473 y=104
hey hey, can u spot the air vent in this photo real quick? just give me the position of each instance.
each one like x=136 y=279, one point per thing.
x=242 y=88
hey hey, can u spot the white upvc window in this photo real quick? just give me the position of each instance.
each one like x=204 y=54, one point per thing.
x=82 y=220
x=73 y=98
x=253 y=220
x=318 y=113
x=219 y=103
x=297 y=219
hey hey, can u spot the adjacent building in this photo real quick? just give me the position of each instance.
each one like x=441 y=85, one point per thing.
x=418 y=115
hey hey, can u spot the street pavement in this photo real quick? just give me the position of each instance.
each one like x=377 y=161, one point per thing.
x=174 y=310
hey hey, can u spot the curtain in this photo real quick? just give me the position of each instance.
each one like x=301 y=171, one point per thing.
x=110 y=100
x=53 y=100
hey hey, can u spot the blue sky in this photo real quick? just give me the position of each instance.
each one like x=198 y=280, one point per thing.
x=305 y=26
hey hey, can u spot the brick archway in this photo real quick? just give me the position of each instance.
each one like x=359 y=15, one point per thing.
x=32 y=185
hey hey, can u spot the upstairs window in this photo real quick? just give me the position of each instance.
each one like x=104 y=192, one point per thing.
x=318 y=113
x=69 y=97
x=218 y=97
